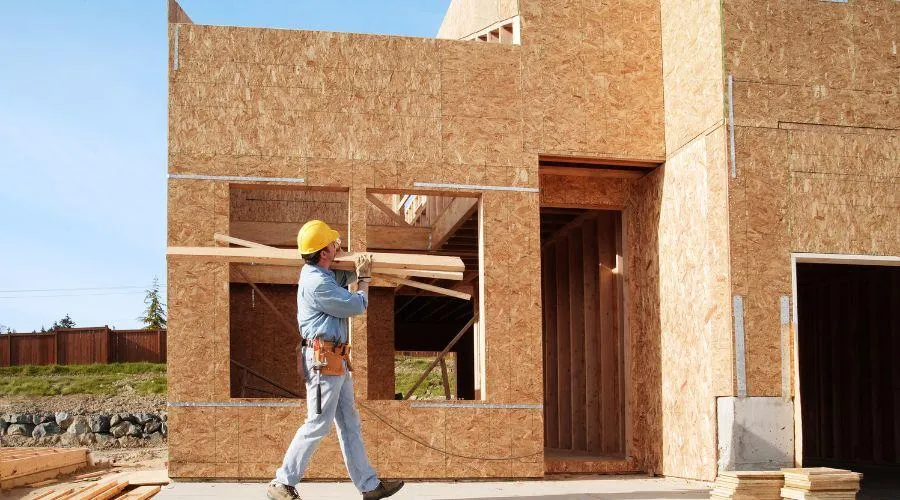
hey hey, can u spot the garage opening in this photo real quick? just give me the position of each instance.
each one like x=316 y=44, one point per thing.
x=849 y=370
x=583 y=357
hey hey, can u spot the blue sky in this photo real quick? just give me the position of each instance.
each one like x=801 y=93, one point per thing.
x=83 y=142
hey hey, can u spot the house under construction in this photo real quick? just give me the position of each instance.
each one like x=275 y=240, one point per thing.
x=679 y=222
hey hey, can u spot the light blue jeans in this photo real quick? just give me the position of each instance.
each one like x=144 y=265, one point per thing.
x=338 y=405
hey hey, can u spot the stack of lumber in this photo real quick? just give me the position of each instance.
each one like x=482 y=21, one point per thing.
x=820 y=483
x=138 y=485
x=747 y=485
x=21 y=466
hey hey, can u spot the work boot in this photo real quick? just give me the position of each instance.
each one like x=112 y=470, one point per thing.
x=384 y=490
x=278 y=491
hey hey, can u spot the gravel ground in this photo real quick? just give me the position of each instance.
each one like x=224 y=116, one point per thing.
x=81 y=404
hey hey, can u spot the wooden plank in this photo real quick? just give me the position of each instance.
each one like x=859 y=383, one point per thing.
x=141 y=493
x=440 y=356
x=564 y=356
x=609 y=336
x=424 y=286
x=457 y=212
x=380 y=205
x=591 y=256
x=648 y=163
x=605 y=173
x=41 y=460
x=289 y=257
x=551 y=394
x=576 y=346
x=284 y=234
x=224 y=238
x=283 y=275
x=56 y=494
x=111 y=492
x=445 y=379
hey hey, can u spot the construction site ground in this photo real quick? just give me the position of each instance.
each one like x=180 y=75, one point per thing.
x=607 y=487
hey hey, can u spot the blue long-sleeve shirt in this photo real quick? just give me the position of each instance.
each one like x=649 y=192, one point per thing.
x=324 y=304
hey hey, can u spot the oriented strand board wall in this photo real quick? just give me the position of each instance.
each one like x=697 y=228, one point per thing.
x=679 y=253
x=677 y=261
x=592 y=78
x=357 y=112
x=465 y=17
x=584 y=192
x=817 y=150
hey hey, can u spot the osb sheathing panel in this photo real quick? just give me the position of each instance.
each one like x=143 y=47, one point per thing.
x=251 y=442
x=816 y=149
x=584 y=192
x=465 y=17
x=196 y=210
x=679 y=297
x=198 y=340
x=814 y=189
x=592 y=78
x=692 y=69
x=359 y=112
x=835 y=45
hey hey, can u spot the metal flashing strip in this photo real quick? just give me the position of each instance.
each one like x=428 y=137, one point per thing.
x=234 y=178
x=731 y=125
x=492 y=406
x=473 y=187
x=175 y=48
x=785 y=347
x=739 y=348
x=233 y=404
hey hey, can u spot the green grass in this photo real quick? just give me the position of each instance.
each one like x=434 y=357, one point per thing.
x=408 y=369
x=54 y=380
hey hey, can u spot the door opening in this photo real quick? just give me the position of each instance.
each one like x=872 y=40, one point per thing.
x=583 y=348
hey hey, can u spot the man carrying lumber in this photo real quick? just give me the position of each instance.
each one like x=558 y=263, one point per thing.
x=323 y=309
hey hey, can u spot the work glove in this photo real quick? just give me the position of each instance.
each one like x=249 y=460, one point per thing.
x=364 y=265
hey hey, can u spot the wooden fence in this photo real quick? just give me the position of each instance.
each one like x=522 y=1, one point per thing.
x=79 y=346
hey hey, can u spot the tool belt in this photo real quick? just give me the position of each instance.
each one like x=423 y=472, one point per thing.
x=329 y=356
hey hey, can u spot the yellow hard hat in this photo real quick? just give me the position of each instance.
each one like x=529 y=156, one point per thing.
x=314 y=236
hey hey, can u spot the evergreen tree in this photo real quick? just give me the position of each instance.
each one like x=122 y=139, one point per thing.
x=154 y=317
x=65 y=322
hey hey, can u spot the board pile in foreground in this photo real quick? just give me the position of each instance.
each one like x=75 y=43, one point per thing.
x=820 y=483
x=746 y=485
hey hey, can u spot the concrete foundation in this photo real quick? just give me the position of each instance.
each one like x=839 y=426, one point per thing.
x=755 y=433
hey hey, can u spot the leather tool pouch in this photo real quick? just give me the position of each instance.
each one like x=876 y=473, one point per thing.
x=332 y=357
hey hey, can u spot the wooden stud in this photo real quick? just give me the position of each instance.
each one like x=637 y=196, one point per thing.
x=609 y=339
x=576 y=345
x=380 y=205
x=551 y=387
x=564 y=368
x=445 y=379
x=591 y=256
